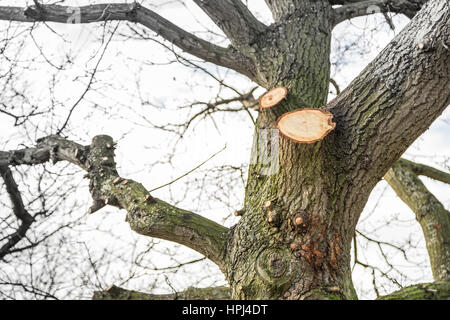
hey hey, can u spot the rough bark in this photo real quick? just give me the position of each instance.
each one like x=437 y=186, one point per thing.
x=328 y=183
x=227 y=57
x=439 y=290
x=234 y=19
x=386 y=108
x=430 y=213
x=117 y=293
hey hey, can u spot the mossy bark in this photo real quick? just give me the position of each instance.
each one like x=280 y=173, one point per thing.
x=327 y=183
x=430 y=213
x=117 y=293
x=439 y=290
x=269 y=256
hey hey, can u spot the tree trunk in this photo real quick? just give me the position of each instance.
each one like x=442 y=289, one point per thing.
x=270 y=255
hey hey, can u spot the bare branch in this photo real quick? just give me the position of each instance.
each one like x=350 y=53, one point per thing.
x=190 y=171
x=425 y=291
x=235 y=20
x=431 y=214
x=353 y=9
x=22 y=215
x=134 y=12
x=146 y=215
x=381 y=243
x=430 y=172
x=335 y=85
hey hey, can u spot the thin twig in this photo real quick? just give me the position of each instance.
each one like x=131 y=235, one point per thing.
x=190 y=171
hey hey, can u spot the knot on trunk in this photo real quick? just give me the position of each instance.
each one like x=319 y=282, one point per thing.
x=274 y=266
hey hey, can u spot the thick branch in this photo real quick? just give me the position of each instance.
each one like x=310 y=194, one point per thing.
x=117 y=293
x=431 y=214
x=134 y=13
x=146 y=215
x=394 y=100
x=22 y=215
x=353 y=9
x=430 y=172
x=425 y=291
x=235 y=20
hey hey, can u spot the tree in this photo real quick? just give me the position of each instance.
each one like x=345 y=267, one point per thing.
x=294 y=238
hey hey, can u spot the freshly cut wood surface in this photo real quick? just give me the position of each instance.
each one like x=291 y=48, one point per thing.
x=306 y=125
x=272 y=97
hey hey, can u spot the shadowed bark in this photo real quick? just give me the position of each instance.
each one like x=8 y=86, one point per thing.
x=235 y=20
x=352 y=9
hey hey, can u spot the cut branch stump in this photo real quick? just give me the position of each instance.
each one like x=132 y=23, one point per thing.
x=306 y=125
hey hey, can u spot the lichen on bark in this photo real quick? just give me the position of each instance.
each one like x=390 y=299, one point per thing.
x=439 y=290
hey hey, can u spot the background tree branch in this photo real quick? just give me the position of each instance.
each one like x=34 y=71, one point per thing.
x=353 y=9
x=146 y=215
x=430 y=213
x=234 y=19
x=24 y=218
x=134 y=12
x=439 y=290
x=427 y=171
